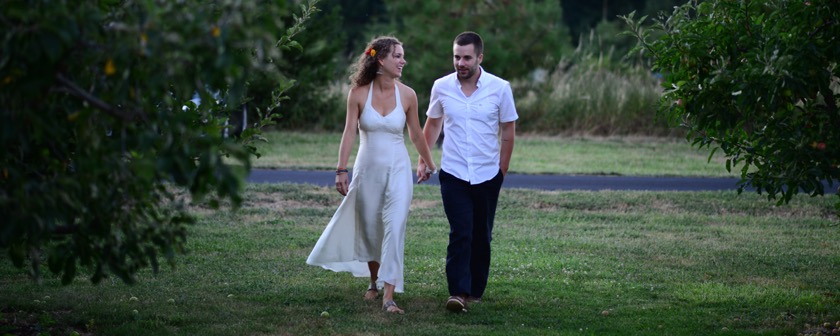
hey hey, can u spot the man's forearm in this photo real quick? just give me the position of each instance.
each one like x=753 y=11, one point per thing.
x=508 y=139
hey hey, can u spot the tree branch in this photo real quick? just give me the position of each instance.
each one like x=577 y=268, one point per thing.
x=80 y=93
x=747 y=23
x=821 y=27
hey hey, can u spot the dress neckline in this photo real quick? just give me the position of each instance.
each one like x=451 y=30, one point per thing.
x=396 y=96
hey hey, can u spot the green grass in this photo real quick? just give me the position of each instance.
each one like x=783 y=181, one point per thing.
x=659 y=263
x=533 y=154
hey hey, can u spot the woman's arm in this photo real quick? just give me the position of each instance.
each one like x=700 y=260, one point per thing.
x=348 y=139
x=415 y=133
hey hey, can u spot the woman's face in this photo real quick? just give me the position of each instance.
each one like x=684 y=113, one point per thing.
x=393 y=63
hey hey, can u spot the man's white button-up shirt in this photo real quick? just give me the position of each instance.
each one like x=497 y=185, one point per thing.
x=471 y=124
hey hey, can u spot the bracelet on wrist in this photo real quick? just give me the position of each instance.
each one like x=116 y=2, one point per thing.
x=341 y=171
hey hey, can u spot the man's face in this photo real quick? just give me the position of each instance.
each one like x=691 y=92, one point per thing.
x=465 y=60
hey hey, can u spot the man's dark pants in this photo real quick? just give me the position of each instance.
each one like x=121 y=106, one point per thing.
x=471 y=210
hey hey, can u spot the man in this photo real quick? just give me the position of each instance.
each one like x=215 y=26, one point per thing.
x=473 y=106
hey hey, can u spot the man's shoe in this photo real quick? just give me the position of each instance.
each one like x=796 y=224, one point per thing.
x=456 y=304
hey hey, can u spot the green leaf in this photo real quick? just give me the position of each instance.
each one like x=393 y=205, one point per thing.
x=296 y=45
x=712 y=154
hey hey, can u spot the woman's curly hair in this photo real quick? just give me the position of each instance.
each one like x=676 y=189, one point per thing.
x=366 y=66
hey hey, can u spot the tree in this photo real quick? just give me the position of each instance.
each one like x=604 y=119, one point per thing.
x=102 y=146
x=581 y=16
x=313 y=99
x=533 y=36
x=356 y=15
x=757 y=80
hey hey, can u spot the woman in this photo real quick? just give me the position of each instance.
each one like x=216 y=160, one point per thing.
x=365 y=235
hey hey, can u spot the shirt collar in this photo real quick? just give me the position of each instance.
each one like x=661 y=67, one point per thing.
x=478 y=84
x=481 y=77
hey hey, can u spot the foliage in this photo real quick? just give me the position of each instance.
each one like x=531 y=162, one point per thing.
x=759 y=81
x=313 y=101
x=591 y=92
x=99 y=132
x=356 y=16
x=582 y=16
x=532 y=37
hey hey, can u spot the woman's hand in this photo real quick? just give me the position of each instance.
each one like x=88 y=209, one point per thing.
x=424 y=171
x=342 y=181
x=421 y=172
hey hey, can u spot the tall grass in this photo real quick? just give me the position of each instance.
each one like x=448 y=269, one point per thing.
x=590 y=93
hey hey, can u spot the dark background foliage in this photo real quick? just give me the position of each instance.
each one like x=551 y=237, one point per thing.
x=522 y=38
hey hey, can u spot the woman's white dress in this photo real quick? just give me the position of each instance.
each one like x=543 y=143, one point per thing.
x=369 y=225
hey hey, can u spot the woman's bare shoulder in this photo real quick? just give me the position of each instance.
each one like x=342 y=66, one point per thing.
x=361 y=89
x=358 y=93
x=406 y=90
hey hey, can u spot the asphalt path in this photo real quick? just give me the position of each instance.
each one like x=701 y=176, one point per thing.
x=543 y=182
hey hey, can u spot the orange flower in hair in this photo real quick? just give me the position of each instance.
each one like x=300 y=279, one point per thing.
x=371 y=52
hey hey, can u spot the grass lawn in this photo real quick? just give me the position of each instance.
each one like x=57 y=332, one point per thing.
x=564 y=263
x=532 y=154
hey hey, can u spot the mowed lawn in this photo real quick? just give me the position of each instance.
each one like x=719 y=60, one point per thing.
x=565 y=263
x=533 y=154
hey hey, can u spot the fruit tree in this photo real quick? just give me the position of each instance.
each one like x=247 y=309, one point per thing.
x=757 y=80
x=103 y=143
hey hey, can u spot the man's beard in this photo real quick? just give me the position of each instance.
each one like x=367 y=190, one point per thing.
x=470 y=73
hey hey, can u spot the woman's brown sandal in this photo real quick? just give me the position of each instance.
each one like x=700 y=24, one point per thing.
x=391 y=307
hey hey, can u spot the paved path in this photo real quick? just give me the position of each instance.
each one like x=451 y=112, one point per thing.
x=545 y=182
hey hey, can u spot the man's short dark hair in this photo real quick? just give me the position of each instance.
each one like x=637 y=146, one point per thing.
x=466 y=38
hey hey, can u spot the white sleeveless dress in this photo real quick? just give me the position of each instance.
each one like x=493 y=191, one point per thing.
x=369 y=225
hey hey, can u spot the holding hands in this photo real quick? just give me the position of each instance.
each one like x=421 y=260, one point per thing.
x=424 y=171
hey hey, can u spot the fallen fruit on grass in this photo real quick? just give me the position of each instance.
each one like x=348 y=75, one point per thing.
x=135 y=312
x=171 y=300
x=133 y=298
x=325 y=314
x=605 y=313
